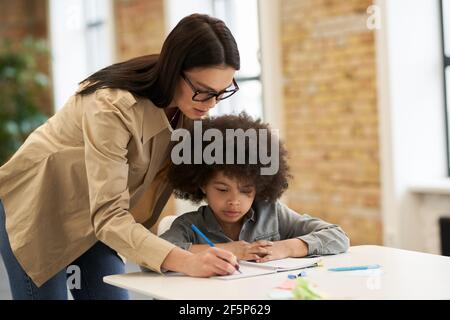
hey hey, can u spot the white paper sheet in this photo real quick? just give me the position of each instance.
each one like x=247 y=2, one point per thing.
x=284 y=264
x=251 y=269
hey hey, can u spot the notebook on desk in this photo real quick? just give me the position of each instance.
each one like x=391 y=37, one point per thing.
x=251 y=269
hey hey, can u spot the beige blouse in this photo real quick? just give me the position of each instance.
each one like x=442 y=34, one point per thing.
x=96 y=170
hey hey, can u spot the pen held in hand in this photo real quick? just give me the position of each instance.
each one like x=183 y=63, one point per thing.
x=204 y=237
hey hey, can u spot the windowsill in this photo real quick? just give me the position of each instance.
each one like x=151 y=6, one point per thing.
x=439 y=186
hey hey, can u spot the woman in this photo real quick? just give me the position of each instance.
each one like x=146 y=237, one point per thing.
x=89 y=183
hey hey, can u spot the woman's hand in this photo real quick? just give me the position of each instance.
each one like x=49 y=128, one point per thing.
x=244 y=250
x=207 y=263
x=296 y=248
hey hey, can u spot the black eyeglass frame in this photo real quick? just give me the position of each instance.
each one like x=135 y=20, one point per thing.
x=211 y=94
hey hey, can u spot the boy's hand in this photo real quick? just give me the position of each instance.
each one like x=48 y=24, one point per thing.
x=295 y=248
x=247 y=251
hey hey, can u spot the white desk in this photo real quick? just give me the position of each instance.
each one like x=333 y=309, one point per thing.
x=404 y=275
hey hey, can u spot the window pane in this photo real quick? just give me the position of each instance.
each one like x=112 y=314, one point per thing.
x=446 y=22
x=242 y=19
x=95 y=10
x=447 y=84
x=447 y=88
x=177 y=10
x=97 y=34
x=248 y=99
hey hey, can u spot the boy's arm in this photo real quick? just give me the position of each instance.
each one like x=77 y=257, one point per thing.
x=295 y=248
x=241 y=249
x=180 y=233
x=320 y=237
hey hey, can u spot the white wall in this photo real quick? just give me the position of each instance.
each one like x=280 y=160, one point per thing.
x=411 y=108
x=271 y=61
x=68 y=61
x=74 y=55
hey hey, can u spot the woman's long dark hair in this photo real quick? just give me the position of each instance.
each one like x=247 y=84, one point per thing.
x=197 y=40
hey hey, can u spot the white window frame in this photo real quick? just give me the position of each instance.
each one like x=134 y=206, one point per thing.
x=74 y=54
x=445 y=29
x=176 y=10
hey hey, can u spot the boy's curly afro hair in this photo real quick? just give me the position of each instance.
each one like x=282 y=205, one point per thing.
x=186 y=179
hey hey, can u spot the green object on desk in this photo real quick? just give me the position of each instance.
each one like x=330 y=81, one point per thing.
x=302 y=291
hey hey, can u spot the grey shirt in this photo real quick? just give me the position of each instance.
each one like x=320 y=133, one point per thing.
x=271 y=221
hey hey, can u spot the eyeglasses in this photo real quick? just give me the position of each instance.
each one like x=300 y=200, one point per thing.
x=202 y=95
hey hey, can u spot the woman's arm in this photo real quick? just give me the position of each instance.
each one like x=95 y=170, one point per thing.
x=106 y=136
x=205 y=263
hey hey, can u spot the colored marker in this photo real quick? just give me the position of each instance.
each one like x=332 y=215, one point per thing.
x=353 y=268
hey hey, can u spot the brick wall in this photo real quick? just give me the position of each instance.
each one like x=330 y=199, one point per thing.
x=331 y=114
x=140 y=27
x=329 y=92
x=22 y=18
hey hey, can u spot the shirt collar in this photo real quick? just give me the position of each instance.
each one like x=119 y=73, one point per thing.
x=251 y=214
x=155 y=121
x=211 y=222
x=210 y=219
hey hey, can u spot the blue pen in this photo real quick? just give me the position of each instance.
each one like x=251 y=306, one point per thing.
x=352 y=268
x=202 y=235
